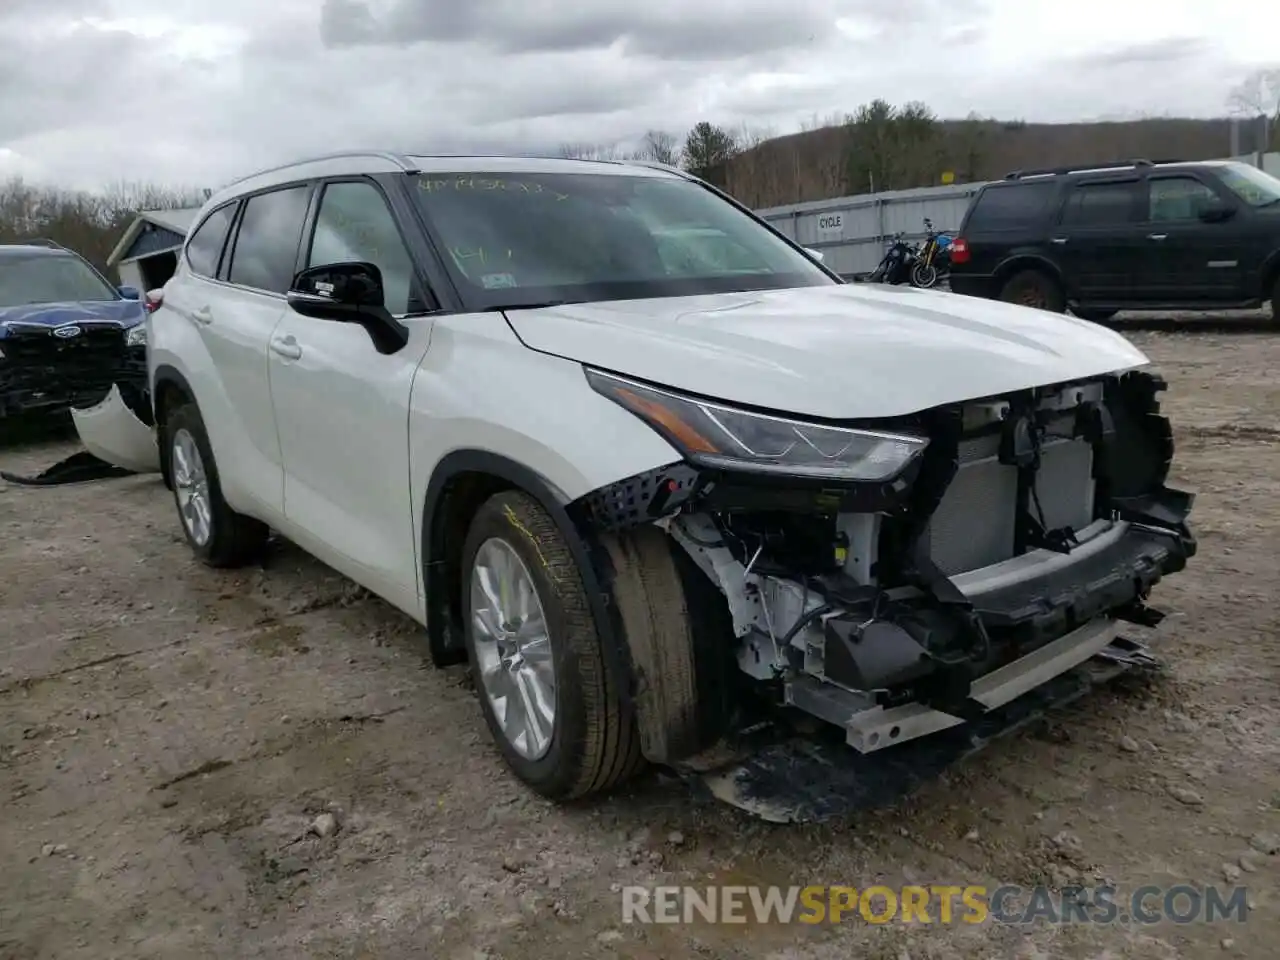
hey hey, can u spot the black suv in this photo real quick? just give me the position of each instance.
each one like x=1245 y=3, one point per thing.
x=1126 y=236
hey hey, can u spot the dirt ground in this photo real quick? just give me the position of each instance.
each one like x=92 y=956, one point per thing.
x=169 y=734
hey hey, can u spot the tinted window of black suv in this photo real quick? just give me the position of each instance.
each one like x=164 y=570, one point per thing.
x=1000 y=206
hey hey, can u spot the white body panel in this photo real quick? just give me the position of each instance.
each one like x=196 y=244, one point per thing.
x=480 y=389
x=216 y=336
x=342 y=411
x=835 y=352
x=111 y=432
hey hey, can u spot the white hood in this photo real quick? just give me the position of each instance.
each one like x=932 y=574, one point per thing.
x=838 y=352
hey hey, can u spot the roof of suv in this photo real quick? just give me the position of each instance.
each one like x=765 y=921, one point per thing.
x=376 y=161
x=1015 y=176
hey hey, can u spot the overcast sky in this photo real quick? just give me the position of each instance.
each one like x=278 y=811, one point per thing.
x=200 y=91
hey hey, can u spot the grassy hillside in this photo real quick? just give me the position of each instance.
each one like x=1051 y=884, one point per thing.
x=853 y=158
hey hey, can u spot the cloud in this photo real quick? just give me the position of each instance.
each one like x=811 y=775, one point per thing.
x=201 y=91
x=662 y=29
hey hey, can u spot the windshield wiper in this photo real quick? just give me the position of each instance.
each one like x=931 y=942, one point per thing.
x=531 y=305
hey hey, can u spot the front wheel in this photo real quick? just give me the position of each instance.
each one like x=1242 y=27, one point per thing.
x=218 y=535
x=924 y=275
x=552 y=699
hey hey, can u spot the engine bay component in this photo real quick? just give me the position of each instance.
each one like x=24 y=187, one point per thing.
x=954 y=562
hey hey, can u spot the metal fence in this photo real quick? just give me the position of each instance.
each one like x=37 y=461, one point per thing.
x=852 y=232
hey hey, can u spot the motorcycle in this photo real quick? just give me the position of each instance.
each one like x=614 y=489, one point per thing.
x=897 y=264
x=934 y=259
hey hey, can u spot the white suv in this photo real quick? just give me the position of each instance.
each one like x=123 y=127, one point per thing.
x=659 y=495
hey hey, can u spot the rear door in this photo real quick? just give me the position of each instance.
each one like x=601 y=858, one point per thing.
x=1099 y=241
x=1186 y=259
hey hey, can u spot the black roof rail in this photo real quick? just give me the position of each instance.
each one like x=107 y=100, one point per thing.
x=1079 y=167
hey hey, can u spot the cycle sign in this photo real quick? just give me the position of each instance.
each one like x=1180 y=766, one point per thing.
x=831 y=223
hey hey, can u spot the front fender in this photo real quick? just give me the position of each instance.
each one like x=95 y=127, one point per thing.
x=486 y=412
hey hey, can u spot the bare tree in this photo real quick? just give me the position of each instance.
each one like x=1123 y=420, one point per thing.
x=589 y=151
x=660 y=147
x=1258 y=95
x=89 y=223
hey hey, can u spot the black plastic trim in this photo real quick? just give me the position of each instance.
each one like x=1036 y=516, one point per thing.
x=1108 y=582
x=442 y=637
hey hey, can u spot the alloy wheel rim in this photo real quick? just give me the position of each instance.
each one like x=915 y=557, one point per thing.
x=513 y=648
x=191 y=485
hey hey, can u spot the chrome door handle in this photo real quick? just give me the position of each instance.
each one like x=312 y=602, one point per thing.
x=1156 y=236
x=1058 y=240
x=202 y=315
x=287 y=347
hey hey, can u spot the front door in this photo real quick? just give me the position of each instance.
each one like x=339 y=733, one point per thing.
x=1098 y=241
x=1188 y=260
x=343 y=407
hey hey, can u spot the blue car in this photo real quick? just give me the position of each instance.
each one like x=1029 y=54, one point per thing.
x=66 y=334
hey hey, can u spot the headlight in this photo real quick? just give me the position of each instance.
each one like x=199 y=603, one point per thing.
x=718 y=436
x=136 y=336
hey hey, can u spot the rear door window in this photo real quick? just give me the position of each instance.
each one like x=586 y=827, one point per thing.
x=204 y=251
x=266 y=246
x=1101 y=204
x=1010 y=207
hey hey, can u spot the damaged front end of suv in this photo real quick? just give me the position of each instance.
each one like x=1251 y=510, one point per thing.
x=913 y=584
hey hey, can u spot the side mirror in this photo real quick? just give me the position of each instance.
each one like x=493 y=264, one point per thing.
x=130 y=293
x=1215 y=212
x=816 y=254
x=348 y=293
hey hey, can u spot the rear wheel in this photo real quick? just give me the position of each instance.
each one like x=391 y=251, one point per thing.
x=1034 y=288
x=218 y=535
x=553 y=701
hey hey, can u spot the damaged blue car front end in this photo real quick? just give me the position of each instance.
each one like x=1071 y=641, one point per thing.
x=66 y=334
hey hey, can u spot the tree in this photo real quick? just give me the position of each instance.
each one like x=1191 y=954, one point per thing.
x=89 y=223
x=660 y=147
x=891 y=148
x=1258 y=95
x=707 y=149
x=588 y=151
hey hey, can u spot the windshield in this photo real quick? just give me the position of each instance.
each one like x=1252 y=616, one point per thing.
x=50 y=279
x=528 y=239
x=1253 y=186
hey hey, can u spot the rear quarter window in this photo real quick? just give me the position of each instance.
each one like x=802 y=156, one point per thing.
x=204 y=249
x=1009 y=207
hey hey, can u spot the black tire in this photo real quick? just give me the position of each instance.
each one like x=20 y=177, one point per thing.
x=924 y=276
x=594 y=744
x=1094 y=316
x=234 y=539
x=649 y=593
x=1034 y=288
x=1275 y=300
